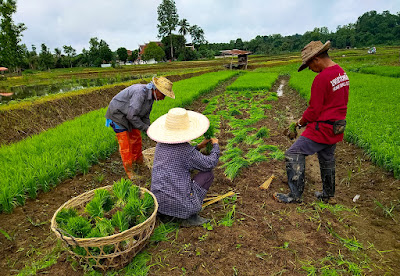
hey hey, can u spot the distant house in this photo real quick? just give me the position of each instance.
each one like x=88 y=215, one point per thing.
x=142 y=47
x=189 y=46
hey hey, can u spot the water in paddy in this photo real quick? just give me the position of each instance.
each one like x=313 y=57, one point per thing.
x=28 y=91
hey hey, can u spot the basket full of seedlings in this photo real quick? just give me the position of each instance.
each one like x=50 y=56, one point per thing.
x=107 y=227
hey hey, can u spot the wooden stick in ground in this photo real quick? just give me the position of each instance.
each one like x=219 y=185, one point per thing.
x=218 y=198
x=266 y=184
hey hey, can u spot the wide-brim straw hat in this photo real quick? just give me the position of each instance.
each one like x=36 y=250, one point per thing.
x=178 y=126
x=312 y=49
x=164 y=85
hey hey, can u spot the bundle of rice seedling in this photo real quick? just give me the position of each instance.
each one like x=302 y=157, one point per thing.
x=104 y=223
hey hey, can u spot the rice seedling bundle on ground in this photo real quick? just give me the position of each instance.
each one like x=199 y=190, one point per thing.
x=108 y=226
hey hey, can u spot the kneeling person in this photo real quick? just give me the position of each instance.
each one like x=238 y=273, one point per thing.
x=178 y=194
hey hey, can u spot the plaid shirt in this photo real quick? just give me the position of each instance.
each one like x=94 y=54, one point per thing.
x=177 y=194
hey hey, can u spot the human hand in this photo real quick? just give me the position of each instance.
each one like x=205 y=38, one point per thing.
x=214 y=141
x=203 y=143
x=301 y=122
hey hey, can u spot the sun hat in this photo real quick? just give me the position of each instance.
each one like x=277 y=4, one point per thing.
x=164 y=85
x=178 y=126
x=312 y=49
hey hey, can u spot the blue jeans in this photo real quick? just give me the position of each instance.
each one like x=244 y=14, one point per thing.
x=307 y=146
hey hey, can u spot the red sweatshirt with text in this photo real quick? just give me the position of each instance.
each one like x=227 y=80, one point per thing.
x=328 y=102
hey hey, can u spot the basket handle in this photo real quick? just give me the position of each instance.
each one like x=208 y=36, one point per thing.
x=59 y=230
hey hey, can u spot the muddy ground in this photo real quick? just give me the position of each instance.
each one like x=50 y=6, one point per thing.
x=267 y=238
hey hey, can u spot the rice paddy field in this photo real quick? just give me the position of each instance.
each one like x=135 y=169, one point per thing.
x=56 y=147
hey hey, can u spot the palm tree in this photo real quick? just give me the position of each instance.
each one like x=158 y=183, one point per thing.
x=197 y=35
x=183 y=27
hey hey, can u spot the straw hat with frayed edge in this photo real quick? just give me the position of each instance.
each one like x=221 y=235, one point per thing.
x=178 y=126
x=312 y=49
x=164 y=85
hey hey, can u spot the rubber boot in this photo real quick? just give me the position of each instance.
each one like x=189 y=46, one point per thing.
x=194 y=220
x=295 y=167
x=126 y=153
x=135 y=145
x=328 y=180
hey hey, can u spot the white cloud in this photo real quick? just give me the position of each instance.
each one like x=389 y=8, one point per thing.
x=128 y=23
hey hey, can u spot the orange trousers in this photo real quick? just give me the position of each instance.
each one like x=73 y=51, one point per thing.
x=130 y=148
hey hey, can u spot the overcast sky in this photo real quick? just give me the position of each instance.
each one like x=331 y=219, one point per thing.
x=128 y=23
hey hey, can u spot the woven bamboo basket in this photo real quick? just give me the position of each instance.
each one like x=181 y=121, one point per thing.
x=148 y=156
x=124 y=245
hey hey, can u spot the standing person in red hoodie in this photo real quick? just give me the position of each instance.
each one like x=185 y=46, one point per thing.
x=324 y=120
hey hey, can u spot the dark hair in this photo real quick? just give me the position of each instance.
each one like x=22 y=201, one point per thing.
x=323 y=54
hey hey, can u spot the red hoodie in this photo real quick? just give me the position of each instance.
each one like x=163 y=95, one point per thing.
x=328 y=102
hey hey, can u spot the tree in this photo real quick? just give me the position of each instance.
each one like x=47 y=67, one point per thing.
x=152 y=50
x=99 y=52
x=122 y=54
x=134 y=56
x=57 y=58
x=168 y=18
x=197 y=35
x=184 y=27
x=33 y=58
x=46 y=59
x=178 y=43
x=239 y=43
x=11 y=53
x=70 y=52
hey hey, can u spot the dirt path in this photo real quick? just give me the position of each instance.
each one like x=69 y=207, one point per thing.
x=267 y=238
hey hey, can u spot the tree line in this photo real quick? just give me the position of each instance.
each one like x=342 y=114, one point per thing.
x=371 y=29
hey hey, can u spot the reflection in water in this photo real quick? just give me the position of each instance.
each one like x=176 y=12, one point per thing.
x=28 y=91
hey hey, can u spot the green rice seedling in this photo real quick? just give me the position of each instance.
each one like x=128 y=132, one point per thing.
x=95 y=208
x=106 y=199
x=352 y=244
x=208 y=135
x=253 y=140
x=120 y=221
x=234 y=112
x=138 y=266
x=233 y=167
x=230 y=154
x=162 y=230
x=121 y=191
x=78 y=227
x=132 y=211
x=105 y=227
x=387 y=211
x=134 y=193
x=79 y=250
x=147 y=204
x=262 y=133
x=95 y=233
x=64 y=215
x=229 y=218
x=253 y=156
x=277 y=155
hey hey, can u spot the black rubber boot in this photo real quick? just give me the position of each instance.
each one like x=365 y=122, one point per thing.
x=194 y=220
x=295 y=167
x=328 y=180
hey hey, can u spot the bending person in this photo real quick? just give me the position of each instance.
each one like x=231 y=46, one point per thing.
x=129 y=113
x=178 y=194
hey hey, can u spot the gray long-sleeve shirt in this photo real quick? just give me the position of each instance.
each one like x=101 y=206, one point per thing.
x=131 y=107
x=177 y=194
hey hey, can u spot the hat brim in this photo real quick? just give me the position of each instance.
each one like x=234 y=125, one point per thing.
x=168 y=93
x=198 y=125
x=324 y=48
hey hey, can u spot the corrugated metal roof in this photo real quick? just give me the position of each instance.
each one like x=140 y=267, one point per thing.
x=235 y=52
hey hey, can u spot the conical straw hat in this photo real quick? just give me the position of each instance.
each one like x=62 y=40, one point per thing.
x=164 y=85
x=312 y=49
x=178 y=126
